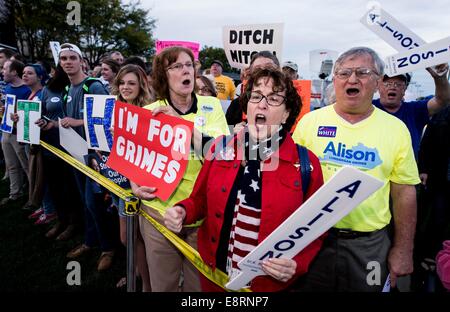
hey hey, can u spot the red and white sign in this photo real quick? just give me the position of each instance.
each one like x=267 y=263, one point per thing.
x=150 y=150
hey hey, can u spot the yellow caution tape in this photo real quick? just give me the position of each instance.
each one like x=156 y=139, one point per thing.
x=131 y=208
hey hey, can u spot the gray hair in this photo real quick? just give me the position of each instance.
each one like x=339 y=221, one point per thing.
x=358 y=51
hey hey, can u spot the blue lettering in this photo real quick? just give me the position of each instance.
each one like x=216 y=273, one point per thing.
x=351 y=188
x=402 y=62
x=372 y=155
x=104 y=121
x=406 y=44
x=270 y=254
x=299 y=233
x=398 y=35
x=290 y=244
x=330 y=148
x=358 y=155
x=417 y=58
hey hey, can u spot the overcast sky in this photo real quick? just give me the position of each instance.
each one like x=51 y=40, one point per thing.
x=308 y=24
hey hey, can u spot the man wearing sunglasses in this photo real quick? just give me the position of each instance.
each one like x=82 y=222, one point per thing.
x=415 y=114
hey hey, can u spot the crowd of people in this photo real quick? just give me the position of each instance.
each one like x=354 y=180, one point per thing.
x=243 y=178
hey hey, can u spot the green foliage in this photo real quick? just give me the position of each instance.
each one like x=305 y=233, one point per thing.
x=208 y=54
x=105 y=25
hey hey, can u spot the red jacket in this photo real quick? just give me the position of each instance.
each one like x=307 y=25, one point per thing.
x=281 y=196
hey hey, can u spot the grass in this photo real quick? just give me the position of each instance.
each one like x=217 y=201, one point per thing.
x=30 y=262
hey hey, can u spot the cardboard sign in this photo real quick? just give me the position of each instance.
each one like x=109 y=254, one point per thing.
x=55 y=47
x=7 y=123
x=426 y=55
x=303 y=88
x=390 y=30
x=106 y=171
x=241 y=42
x=150 y=150
x=333 y=201
x=73 y=143
x=98 y=115
x=29 y=112
x=402 y=39
x=193 y=46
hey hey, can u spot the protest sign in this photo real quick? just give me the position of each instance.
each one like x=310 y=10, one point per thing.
x=55 y=47
x=403 y=40
x=241 y=42
x=150 y=150
x=303 y=88
x=29 y=112
x=7 y=123
x=112 y=175
x=98 y=114
x=334 y=200
x=193 y=46
x=72 y=142
x=426 y=55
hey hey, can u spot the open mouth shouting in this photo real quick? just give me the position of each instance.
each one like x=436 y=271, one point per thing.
x=392 y=95
x=352 y=91
x=260 y=121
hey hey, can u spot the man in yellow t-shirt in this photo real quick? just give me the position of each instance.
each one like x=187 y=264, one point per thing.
x=358 y=254
x=224 y=85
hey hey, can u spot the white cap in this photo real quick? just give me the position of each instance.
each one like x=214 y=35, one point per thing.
x=70 y=47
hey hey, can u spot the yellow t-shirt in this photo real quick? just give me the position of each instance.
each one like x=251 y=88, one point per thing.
x=210 y=120
x=380 y=145
x=225 y=87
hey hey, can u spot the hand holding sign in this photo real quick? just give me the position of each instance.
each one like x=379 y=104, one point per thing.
x=334 y=200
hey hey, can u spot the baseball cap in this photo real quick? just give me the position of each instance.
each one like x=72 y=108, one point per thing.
x=291 y=65
x=406 y=77
x=217 y=62
x=70 y=47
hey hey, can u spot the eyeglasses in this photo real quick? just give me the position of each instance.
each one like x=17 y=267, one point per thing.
x=390 y=84
x=179 y=67
x=271 y=99
x=205 y=90
x=360 y=72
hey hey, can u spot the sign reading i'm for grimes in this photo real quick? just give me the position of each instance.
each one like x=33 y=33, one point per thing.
x=242 y=42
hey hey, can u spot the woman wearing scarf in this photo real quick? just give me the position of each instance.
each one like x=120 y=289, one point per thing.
x=250 y=185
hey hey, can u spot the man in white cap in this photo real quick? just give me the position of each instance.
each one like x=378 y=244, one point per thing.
x=415 y=114
x=290 y=69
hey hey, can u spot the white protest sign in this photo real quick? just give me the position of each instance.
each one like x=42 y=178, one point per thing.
x=7 y=123
x=72 y=142
x=426 y=55
x=390 y=30
x=29 y=112
x=241 y=42
x=316 y=57
x=98 y=117
x=387 y=284
x=397 y=36
x=55 y=47
x=334 y=200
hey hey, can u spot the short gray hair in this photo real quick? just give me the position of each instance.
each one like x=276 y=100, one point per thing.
x=358 y=51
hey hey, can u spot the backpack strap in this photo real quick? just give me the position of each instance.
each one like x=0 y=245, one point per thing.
x=305 y=167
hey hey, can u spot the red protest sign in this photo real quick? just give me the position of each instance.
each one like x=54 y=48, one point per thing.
x=150 y=150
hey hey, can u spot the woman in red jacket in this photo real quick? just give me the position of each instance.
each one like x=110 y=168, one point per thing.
x=250 y=185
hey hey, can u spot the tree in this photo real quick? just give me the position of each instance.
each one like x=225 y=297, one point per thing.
x=105 y=25
x=208 y=54
x=7 y=26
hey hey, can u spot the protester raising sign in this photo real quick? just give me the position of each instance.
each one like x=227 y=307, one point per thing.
x=150 y=150
x=241 y=42
x=29 y=112
x=7 y=123
x=98 y=113
x=193 y=46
